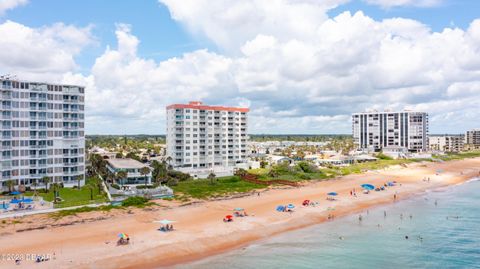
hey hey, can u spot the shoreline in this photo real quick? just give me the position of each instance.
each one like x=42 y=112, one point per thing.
x=200 y=233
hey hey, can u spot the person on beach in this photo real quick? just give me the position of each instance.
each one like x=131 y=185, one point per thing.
x=360 y=218
x=394 y=197
x=435 y=202
x=384 y=214
x=401 y=216
x=411 y=216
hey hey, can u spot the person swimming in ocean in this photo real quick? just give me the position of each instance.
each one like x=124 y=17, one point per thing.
x=406 y=236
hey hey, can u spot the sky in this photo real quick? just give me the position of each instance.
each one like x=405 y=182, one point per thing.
x=301 y=66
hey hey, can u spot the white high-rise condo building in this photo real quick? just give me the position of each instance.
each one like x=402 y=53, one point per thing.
x=378 y=130
x=201 y=136
x=472 y=137
x=447 y=143
x=41 y=133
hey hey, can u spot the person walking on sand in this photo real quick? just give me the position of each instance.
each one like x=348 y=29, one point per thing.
x=394 y=197
x=384 y=213
x=360 y=218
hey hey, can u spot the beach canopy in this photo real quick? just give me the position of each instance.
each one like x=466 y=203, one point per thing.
x=238 y=209
x=280 y=208
x=332 y=193
x=290 y=206
x=25 y=200
x=165 y=221
x=15 y=193
x=368 y=186
x=123 y=235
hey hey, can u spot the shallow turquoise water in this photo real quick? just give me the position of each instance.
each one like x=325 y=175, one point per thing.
x=446 y=235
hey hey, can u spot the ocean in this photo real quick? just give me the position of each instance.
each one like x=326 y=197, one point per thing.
x=443 y=229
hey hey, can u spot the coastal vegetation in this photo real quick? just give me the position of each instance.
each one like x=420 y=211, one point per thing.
x=90 y=193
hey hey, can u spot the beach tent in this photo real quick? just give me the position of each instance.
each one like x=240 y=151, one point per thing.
x=332 y=193
x=165 y=221
x=368 y=186
x=280 y=208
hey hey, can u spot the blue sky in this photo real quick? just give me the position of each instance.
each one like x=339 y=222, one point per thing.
x=301 y=66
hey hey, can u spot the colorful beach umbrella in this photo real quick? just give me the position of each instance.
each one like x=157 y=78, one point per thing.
x=229 y=217
x=123 y=235
x=391 y=184
x=238 y=209
x=280 y=208
x=290 y=206
x=368 y=186
x=332 y=193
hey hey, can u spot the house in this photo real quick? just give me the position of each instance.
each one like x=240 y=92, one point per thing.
x=132 y=167
x=277 y=159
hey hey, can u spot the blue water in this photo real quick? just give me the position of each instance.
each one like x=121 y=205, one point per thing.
x=446 y=235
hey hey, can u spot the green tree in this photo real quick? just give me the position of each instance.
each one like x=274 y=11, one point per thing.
x=10 y=185
x=144 y=171
x=79 y=179
x=46 y=180
x=212 y=177
x=121 y=175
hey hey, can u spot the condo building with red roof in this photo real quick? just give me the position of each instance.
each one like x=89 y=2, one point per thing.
x=206 y=137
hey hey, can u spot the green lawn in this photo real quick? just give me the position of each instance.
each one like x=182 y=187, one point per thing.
x=203 y=188
x=74 y=197
x=458 y=156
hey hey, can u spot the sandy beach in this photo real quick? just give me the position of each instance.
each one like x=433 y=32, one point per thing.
x=90 y=242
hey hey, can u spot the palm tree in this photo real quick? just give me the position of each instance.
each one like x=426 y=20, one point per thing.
x=169 y=159
x=121 y=175
x=144 y=171
x=34 y=185
x=212 y=177
x=79 y=179
x=90 y=187
x=46 y=180
x=55 y=187
x=10 y=185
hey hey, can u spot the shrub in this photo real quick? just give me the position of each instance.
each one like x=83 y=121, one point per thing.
x=115 y=186
x=146 y=187
x=306 y=167
x=382 y=156
x=179 y=175
x=135 y=201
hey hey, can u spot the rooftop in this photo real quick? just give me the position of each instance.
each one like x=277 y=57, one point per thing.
x=125 y=163
x=201 y=106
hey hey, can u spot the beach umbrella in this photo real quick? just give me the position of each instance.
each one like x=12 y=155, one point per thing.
x=165 y=221
x=238 y=209
x=280 y=208
x=391 y=184
x=332 y=193
x=306 y=202
x=15 y=193
x=368 y=186
x=229 y=217
x=290 y=206
x=123 y=235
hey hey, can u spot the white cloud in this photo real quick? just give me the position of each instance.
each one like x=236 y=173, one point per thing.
x=400 y=3
x=299 y=70
x=10 y=4
x=41 y=53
